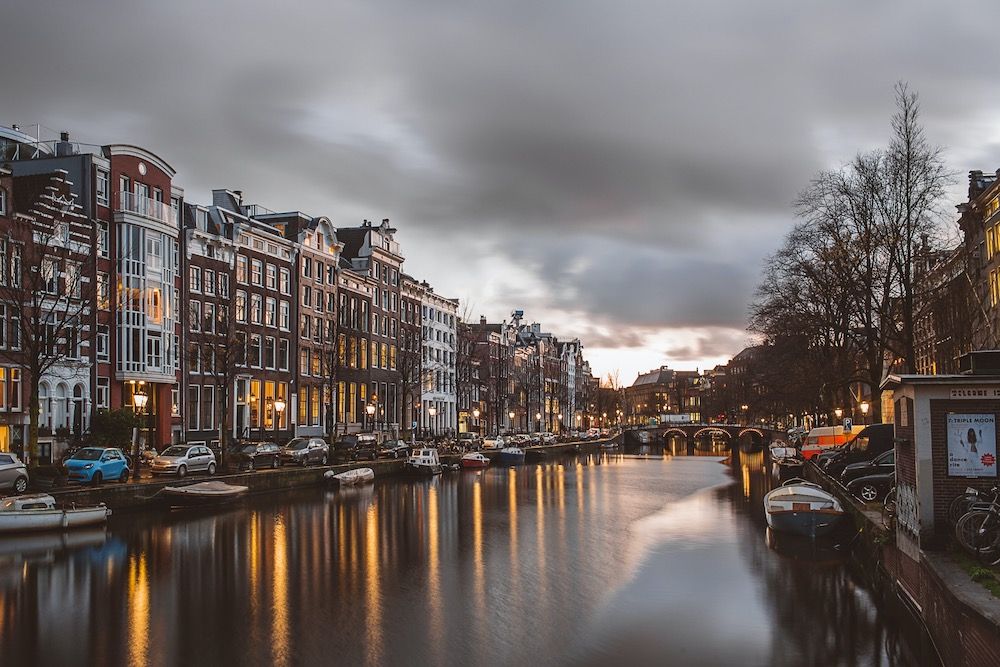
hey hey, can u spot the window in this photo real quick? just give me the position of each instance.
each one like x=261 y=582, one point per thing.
x=241 y=269
x=3 y=202
x=303 y=404
x=223 y=284
x=253 y=354
x=284 y=316
x=306 y=326
x=319 y=300
x=50 y=276
x=320 y=272
x=304 y=356
x=103 y=292
x=285 y=281
x=283 y=355
x=195 y=315
x=269 y=352
x=194 y=358
x=256 y=271
x=270 y=312
x=317 y=364
x=194 y=281
x=209 y=283
x=103 y=392
x=102 y=239
x=102 y=342
x=255 y=309
x=207 y=407
x=241 y=306
x=307 y=267
x=175 y=402
x=103 y=187
x=154 y=350
x=307 y=296
x=194 y=407
x=272 y=276
x=208 y=320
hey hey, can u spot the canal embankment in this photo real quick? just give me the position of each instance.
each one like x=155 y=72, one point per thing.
x=143 y=494
x=961 y=616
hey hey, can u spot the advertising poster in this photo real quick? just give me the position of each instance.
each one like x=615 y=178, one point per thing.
x=972 y=445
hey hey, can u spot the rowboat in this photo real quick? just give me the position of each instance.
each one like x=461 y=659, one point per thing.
x=474 y=460
x=39 y=512
x=350 y=477
x=203 y=494
x=802 y=508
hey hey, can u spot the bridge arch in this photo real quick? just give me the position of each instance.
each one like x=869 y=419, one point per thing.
x=713 y=430
x=675 y=431
x=756 y=431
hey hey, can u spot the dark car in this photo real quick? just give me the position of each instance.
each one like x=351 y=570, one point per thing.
x=394 y=449
x=256 y=455
x=304 y=451
x=872 y=441
x=882 y=464
x=366 y=450
x=872 y=487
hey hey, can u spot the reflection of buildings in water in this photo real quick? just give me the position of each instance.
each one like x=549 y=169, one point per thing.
x=137 y=606
x=280 y=644
x=373 y=589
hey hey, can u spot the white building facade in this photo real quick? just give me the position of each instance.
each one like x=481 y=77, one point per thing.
x=439 y=397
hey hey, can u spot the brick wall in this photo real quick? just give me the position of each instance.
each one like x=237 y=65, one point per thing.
x=947 y=488
x=906 y=462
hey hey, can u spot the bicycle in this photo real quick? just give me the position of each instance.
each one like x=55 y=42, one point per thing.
x=978 y=530
x=889 y=510
x=963 y=503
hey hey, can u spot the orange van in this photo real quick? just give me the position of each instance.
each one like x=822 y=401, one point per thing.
x=824 y=437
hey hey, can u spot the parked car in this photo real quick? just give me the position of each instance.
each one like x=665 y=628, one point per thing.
x=13 y=473
x=256 y=455
x=96 y=464
x=469 y=440
x=494 y=443
x=366 y=449
x=883 y=464
x=547 y=438
x=872 y=487
x=871 y=441
x=394 y=449
x=303 y=451
x=181 y=459
x=346 y=448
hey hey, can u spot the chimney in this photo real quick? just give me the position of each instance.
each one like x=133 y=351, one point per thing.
x=482 y=319
x=64 y=147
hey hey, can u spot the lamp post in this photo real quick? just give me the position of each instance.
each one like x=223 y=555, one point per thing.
x=139 y=400
x=538 y=421
x=511 y=415
x=865 y=405
x=370 y=411
x=559 y=423
x=475 y=415
x=432 y=412
x=279 y=408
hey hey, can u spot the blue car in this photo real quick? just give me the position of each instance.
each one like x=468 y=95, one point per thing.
x=93 y=465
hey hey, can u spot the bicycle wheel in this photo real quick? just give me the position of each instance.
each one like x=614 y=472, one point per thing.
x=978 y=532
x=889 y=511
x=958 y=507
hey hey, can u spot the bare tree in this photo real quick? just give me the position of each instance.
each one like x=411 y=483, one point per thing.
x=46 y=265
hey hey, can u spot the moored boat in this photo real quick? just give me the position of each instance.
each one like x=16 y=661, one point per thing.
x=802 y=508
x=423 y=461
x=474 y=460
x=350 y=477
x=39 y=512
x=511 y=455
x=203 y=494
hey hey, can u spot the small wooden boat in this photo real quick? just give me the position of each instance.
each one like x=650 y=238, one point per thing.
x=610 y=444
x=802 y=508
x=350 y=477
x=203 y=494
x=474 y=460
x=423 y=461
x=511 y=455
x=39 y=512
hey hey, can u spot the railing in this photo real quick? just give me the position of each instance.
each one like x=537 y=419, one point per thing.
x=130 y=202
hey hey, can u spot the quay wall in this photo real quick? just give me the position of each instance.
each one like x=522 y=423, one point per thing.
x=961 y=616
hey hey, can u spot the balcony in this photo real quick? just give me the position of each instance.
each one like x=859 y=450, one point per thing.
x=129 y=202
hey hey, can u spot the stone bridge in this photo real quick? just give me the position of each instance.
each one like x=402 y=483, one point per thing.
x=734 y=434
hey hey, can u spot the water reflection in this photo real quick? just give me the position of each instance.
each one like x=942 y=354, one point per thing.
x=577 y=560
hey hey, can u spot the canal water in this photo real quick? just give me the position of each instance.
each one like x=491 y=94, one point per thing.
x=588 y=560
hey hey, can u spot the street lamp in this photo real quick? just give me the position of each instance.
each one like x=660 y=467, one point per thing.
x=865 y=405
x=370 y=410
x=475 y=415
x=279 y=407
x=139 y=400
x=432 y=411
x=511 y=415
x=538 y=420
x=839 y=412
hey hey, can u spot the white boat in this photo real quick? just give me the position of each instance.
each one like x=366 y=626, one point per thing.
x=423 y=461
x=350 y=477
x=203 y=493
x=39 y=512
x=802 y=508
x=511 y=456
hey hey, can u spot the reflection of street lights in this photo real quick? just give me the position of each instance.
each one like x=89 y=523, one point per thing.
x=432 y=411
x=139 y=400
x=370 y=410
x=864 y=410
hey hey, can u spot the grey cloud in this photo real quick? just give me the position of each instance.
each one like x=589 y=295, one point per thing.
x=657 y=145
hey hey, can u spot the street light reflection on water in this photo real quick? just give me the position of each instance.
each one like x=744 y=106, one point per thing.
x=589 y=559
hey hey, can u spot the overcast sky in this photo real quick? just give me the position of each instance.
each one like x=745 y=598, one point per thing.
x=618 y=170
